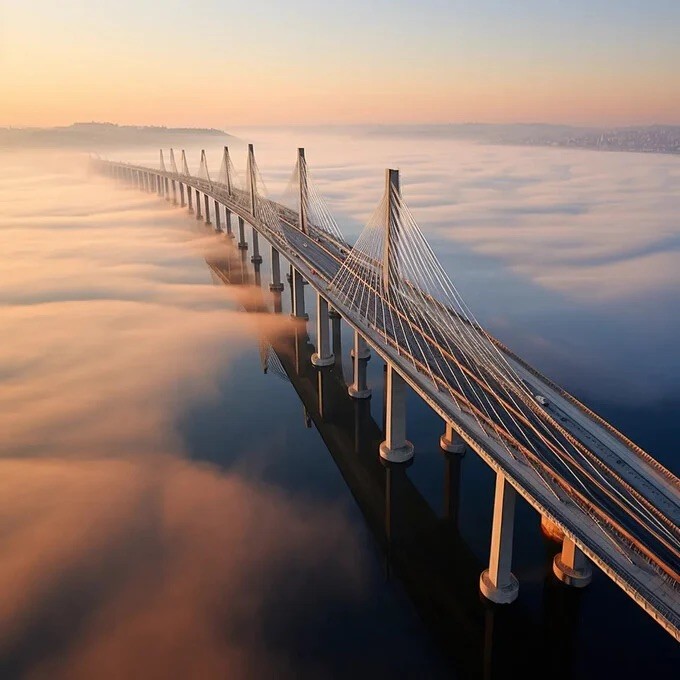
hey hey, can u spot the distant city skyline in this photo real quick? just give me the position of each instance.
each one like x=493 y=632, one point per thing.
x=225 y=63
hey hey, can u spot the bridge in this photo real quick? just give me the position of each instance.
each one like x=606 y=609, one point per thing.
x=422 y=549
x=610 y=502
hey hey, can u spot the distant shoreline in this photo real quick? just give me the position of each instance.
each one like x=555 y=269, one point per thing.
x=96 y=136
x=659 y=139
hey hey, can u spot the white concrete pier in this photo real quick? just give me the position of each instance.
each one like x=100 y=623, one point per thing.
x=218 y=217
x=498 y=583
x=276 y=285
x=206 y=202
x=242 y=243
x=360 y=354
x=396 y=448
x=451 y=441
x=227 y=222
x=571 y=566
x=298 y=286
x=199 y=216
x=256 y=258
x=323 y=355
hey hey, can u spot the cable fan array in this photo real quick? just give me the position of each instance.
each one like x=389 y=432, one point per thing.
x=391 y=285
x=265 y=210
x=392 y=280
x=302 y=197
x=203 y=171
x=173 y=164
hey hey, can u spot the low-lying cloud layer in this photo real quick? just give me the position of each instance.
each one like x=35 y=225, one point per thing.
x=119 y=557
x=596 y=227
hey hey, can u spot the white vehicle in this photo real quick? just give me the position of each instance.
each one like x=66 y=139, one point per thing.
x=541 y=400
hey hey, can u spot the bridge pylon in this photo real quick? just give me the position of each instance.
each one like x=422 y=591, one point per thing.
x=225 y=171
x=185 y=165
x=203 y=172
x=392 y=224
x=252 y=180
x=396 y=448
x=226 y=178
x=303 y=192
x=173 y=164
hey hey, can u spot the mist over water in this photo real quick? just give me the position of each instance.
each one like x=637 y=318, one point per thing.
x=166 y=511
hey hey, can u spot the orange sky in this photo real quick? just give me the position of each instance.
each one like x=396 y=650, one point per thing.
x=84 y=61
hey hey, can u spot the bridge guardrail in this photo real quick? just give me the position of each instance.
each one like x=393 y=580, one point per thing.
x=598 y=419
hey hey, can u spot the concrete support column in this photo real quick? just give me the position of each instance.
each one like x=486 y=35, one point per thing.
x=227 y=220
x=166 y=184
x=451 y=441
x=360 y=349
x=174 y=192
x=256 y=258
x=242 y=244
x=198 y=206
x=396 y=448
x=571 y=566
x=298 y=289
x=159 y=189
x=276 y=285
x=182 y=202
x=190 y=199
x=336 y=336
x=206 y=200
x=218 y=225
x=360 y=355
x=323 y=355
x=498 y=583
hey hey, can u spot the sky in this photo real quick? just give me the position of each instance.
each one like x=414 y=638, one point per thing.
x=219 y=63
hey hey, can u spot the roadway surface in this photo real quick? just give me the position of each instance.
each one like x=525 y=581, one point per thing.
x=621 y=507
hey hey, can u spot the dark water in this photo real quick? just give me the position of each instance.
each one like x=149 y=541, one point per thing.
x=184 y=495
x=425 y=529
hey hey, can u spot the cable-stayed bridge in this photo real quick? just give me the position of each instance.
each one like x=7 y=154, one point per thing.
x=614 y=504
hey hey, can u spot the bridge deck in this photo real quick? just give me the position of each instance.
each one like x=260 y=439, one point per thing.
x=621 y=507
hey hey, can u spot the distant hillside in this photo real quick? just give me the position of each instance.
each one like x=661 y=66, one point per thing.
x=96 y=136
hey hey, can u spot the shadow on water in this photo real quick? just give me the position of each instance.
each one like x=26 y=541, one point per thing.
x=421 y=551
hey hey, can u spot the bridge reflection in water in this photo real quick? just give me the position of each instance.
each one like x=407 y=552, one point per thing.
x=423 y=551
